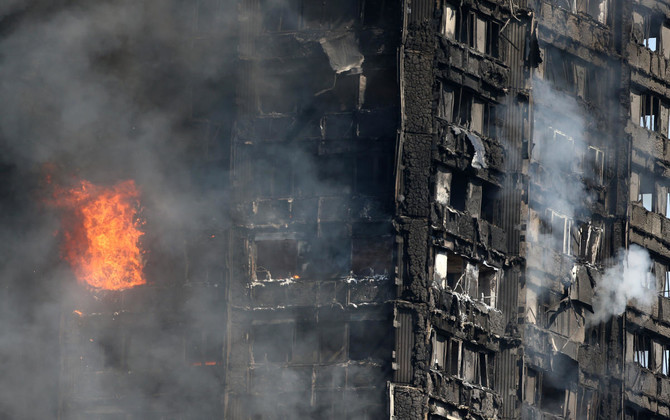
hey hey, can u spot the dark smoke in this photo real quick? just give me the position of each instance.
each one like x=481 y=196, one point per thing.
x=107 y=91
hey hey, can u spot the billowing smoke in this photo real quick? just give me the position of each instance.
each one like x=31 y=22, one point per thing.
x=629 y=279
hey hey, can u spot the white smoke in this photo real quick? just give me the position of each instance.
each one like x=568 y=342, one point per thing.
x=629 y=279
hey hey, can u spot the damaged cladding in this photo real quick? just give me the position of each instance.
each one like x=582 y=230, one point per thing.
x=427 y=198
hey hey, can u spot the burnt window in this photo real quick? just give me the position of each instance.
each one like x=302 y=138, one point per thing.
x=456 y=359
x=380 y=12
x=564 y=234
x=272 y=342
x=381 y=88
x=650 y=112
x=372 y=255
x=276 y=259
x=642 y=350
x=449 y=270
x=594 y=164
x=458 y=192
x=331 y=342
x=370 y=340
x=665 y=359
x=281 y=15
x=204 y=349
x=491 y=203
x=291 y=15
x=374 y=173
x=559 y=69
x=273 y=177
x=469 y=28
x=328 y=14
x=665 y=292
x=487 y=285
x=645 y=193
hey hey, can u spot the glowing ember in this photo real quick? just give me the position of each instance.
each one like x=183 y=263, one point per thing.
x=102 y=234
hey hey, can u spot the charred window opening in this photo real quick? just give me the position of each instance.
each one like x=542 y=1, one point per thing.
x=380 y=13
x=273 y=177
x=463 y=107
x=471 y=29
x=555 y=398
x=648 y=111
x=639 y=414
x=575 y=76
x=449 y=270
x=330 y=254
x=318 y=343
x=458 y=192
x=597 y=9
x=370 y=340
x=281 y=15
x=456 y=359
x=645 y=190
x=652 y=31
x=594 y=164
x=278 y=94
x=491 y=203
x=561 y=317
x=276 y=259
x=329 y=14
x=588 y=404
x=642 y=350
x=665 y=359
x=487 y=285
x=372 y=255
x=113 y=351
x=665 y=292
x=204 y=349
x=272 y=342
x=531 y=382
x=374 y=174
x=381 y=88
x=559 y=69
x=335 y=176
x=563 y=234
x=590 y=236
x=292 y=15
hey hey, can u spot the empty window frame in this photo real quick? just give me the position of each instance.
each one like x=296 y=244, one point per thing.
x=652 y=31
x=272 y=342
x=454 y=358
x=665 y=292
x=370 y=340
x=559 y=69
x=645 y=193
x=491 y=203
x=665 y=360
x=561 y=228
x=594 y=164
x=276 y=259
x=590 y=236
x=372 y=255
x=204 y=349
x=282 y=15
x=597 y=9
x=292 y=15
x=642 y=350
x=468 y=27
x=449 y=271
x=462 y=107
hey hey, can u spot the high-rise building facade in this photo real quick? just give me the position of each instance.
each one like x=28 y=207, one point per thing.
x=407 y=210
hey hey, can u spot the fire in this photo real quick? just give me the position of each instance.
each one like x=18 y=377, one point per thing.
x=102 y=234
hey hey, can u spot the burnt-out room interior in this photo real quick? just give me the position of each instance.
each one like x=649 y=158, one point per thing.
x=352 y=209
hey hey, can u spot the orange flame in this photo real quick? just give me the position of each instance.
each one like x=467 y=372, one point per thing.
x=103 y=232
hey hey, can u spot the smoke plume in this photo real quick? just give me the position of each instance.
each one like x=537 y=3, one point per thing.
x=629 y=279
